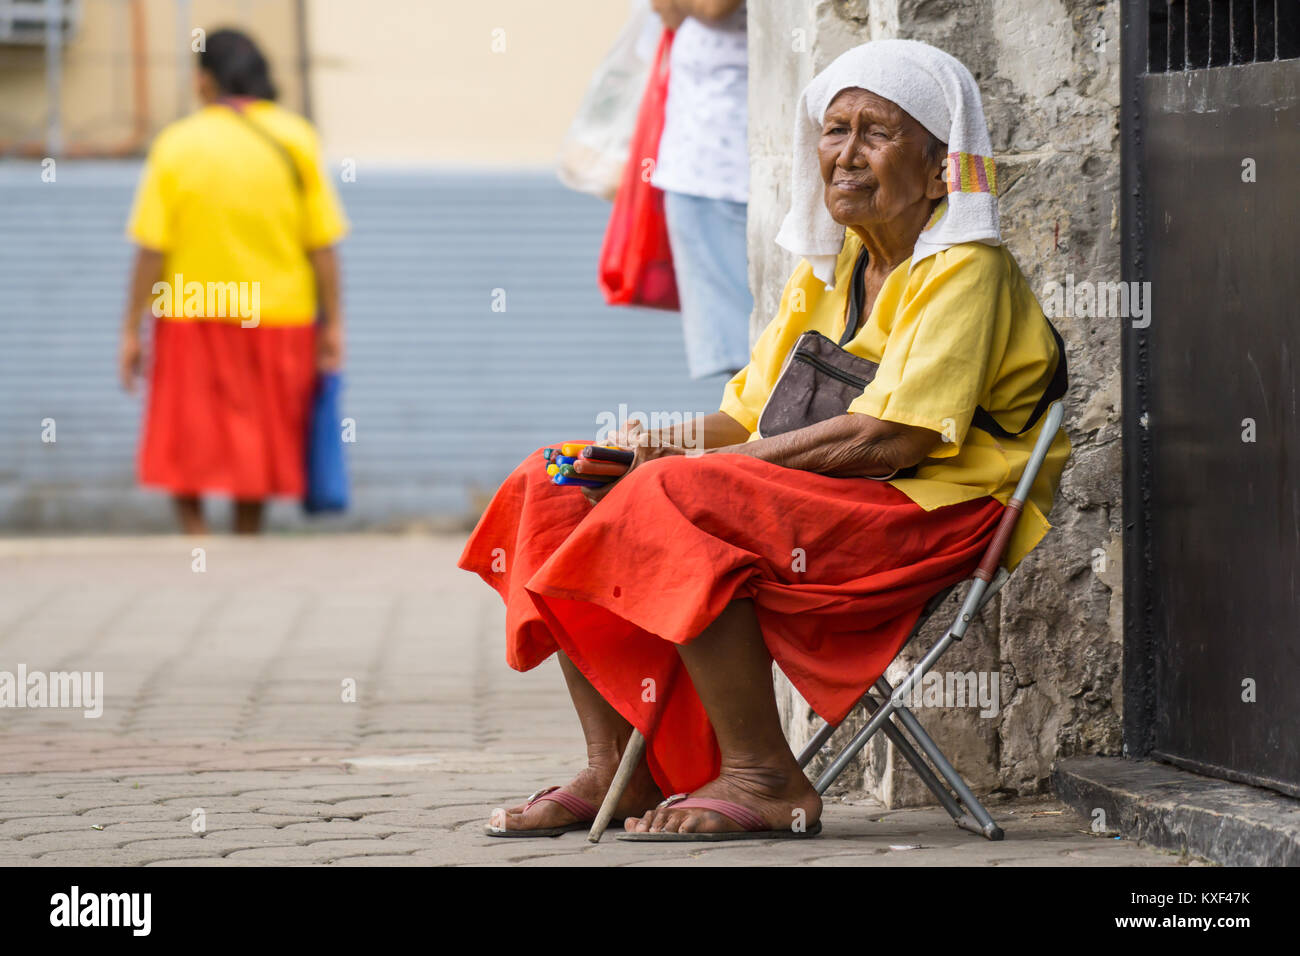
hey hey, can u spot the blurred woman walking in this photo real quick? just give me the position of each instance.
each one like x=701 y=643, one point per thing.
x=235 y=223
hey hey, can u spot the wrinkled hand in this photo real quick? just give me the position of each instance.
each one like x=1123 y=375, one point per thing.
x=643 y=448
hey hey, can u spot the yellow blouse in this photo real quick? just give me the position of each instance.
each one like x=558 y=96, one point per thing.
x=962 y=329
x=221 y=204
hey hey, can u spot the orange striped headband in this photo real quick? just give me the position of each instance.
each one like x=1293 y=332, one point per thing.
x=969 y=173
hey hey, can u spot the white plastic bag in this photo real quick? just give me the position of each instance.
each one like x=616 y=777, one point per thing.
x=594 y=150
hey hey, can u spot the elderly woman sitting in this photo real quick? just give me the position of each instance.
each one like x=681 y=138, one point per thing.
x=668 y=594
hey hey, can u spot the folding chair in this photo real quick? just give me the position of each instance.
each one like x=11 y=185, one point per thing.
x=888 y=713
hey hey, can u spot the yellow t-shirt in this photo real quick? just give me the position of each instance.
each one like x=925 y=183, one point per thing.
x=961 y=329
x=220 y=202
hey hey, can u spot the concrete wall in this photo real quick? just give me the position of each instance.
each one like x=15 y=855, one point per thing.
x=407 y=81
x=1049 y=74
x=128 y=70
x=476 y=84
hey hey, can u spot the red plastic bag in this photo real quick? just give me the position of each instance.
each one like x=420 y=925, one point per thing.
x=636 y=262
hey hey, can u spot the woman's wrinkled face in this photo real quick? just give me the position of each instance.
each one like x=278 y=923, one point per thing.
x=873 y=160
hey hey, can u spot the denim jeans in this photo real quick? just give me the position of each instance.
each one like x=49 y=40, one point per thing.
x=712 y=266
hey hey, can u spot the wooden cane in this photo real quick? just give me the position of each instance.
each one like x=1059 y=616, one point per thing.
x=626 y=767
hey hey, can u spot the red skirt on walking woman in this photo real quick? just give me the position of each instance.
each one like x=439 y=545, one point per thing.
x=838 y=570
x=228 y=409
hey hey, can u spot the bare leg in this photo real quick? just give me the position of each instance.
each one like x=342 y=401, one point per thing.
x=248 y=517
x=606 y=734
x=732 y=672
x=189 y=510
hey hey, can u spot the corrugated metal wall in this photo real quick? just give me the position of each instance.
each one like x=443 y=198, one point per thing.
x=447 y=394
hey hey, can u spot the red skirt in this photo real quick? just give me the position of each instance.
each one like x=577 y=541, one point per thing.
x=228 y=409
x=838 y=570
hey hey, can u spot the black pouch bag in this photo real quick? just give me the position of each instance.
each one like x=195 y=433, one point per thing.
x=819 y=380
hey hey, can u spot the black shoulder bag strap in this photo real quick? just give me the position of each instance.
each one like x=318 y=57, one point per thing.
x=271 y=140
x=855 y=294
x=851 y=329
x=1056 y=388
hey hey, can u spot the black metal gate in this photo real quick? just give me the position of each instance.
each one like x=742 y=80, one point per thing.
x=1211 y=180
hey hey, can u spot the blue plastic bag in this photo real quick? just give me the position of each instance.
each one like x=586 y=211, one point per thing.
x=327 y=473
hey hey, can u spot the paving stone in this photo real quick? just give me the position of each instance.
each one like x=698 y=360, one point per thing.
x=342 y=829
x=138 y=854
x=210 y=861
x=323 y=851
x=442 y=818
x=413 y=802
x=225 y=697
x=21 y=828
x=380 y=861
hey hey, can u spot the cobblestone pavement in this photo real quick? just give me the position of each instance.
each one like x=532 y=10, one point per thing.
x=223 y=706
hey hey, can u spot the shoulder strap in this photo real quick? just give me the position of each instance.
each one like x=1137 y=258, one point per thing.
x=855 y=296
x=1056 y=388
x=269 y=139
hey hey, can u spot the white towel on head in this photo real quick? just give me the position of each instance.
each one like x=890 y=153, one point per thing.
x=940 y=93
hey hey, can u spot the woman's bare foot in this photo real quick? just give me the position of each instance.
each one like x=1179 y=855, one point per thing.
x=782 y=796
x=591 y=785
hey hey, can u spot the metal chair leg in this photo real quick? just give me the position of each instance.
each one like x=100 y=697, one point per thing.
x=880 y=716
x=976 y=819
x=918 y=763
x=904 y=747
x=814 y=745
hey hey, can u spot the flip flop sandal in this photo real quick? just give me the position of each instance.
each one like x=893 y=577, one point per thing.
x=584 y=811
x=755 y=827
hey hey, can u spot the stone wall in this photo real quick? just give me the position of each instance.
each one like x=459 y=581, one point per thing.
x=1049 y=74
